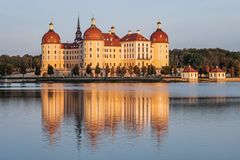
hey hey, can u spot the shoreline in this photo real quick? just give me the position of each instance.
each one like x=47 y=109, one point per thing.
x=107 y=80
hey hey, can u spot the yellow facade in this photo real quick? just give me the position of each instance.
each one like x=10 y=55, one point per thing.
x=160 y=54
x=52 y=54
x=112 y=56
x=94 y=53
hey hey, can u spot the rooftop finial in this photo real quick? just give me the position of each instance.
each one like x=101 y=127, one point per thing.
x=159 y=25
x=51 y=26
x=113 y=29
x=93 y=22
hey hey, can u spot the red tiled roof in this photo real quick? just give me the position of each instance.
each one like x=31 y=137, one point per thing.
x=70 y=46
x=217 y=70
x=51 y=37
x=159 y=37
x=93 y=33
x=111 y=39
x=189 y=69
x=134 y=37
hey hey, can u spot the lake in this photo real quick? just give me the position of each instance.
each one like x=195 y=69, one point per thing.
x=190 y=121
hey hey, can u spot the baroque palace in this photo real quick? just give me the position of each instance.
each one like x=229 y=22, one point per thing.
x=104 y=49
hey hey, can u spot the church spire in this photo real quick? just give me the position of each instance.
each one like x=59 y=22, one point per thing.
x=78 y=24
x=78 y=33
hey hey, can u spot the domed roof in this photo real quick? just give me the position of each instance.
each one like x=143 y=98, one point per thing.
x=93 y=33
x=159 y=36
x=51 y=36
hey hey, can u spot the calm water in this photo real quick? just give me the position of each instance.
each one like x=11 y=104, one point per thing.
x=120 y=121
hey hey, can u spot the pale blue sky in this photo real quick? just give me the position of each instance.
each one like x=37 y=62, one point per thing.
x=189 y=23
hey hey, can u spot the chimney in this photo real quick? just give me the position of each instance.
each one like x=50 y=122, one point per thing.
x=129 y=32
x=138 y=31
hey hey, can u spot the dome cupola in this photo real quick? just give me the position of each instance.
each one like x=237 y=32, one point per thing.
x=51 y=37
x=93 y=33
x=159 y=36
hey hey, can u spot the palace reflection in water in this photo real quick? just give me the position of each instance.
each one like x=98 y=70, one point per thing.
x=99 y=112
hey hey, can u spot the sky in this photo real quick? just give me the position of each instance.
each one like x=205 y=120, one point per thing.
x=189 y=23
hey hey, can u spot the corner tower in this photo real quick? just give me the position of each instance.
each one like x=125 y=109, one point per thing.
x=160 y=44
x=52 y=51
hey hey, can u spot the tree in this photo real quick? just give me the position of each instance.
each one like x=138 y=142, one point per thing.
x=232 y=71
x=175 y=71
x=200 y=71
x=144 y=70
x=112 y=72
x=130 y=70
x=23 y=69
x=38 y=70
x=206 y=70
x=107 y=71
x=97 y=70
x=166 y=70
x=137 y=71
x=150 y=70
x=9 y=69
x=89 y=69
x=2 y=70
x=50 y=70
x=123 y=71
x=75 y=70
x=118 y=71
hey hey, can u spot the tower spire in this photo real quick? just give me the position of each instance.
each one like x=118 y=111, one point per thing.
x=78 y=33
x=78 y=23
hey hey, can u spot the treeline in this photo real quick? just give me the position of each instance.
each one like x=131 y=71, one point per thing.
x=20 y=64
x=201 y=59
